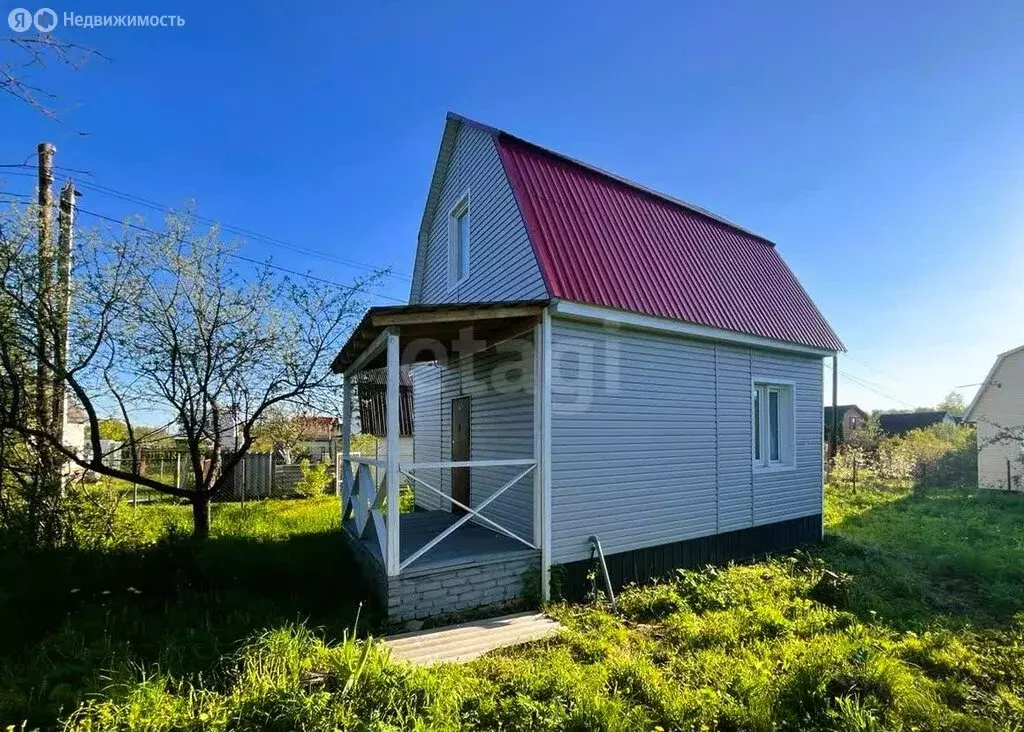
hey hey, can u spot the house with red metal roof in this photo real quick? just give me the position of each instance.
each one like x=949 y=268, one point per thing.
x=599 y=369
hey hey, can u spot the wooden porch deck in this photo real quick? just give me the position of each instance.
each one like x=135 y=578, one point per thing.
x=468 y=544
x=460 y=643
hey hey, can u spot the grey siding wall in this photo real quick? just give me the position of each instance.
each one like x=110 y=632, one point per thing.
x=651 y=439
x=502 y=263
x=500 y=386
x=735 y=483
x=798 y=492
x=427 y=441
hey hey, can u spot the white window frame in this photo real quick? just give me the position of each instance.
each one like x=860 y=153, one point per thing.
x=786 y=390
x=460 y=208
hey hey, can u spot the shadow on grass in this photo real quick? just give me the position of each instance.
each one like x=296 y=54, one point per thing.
x=72 y=622
x=952 y=556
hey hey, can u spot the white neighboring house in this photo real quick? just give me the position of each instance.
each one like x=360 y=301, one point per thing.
x=998 y=408
x=75 y=420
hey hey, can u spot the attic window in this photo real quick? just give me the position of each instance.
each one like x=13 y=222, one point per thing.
x=459 y=241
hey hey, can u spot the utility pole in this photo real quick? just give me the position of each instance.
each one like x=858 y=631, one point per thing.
x=44 y=156
x=62 y=306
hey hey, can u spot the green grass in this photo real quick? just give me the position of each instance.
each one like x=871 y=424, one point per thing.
x=955 y=556
x=905 y=618
x=74 y=622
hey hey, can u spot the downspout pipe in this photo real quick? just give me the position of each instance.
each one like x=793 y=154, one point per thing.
x=595 y=549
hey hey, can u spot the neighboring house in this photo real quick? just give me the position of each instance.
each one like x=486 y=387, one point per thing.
x=851 y=419
x=997 y=411
x=75 y=421
x=591 y=359
x=321 y=436
x=900 y=423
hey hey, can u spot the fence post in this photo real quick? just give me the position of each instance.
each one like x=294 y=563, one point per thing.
x=270 y=475
x=855 y=473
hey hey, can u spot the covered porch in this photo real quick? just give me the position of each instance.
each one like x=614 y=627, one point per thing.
x=482 y=498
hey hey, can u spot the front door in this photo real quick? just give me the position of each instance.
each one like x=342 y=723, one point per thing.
x=460 y=451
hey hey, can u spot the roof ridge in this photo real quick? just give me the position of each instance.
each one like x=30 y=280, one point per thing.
x=614 y=177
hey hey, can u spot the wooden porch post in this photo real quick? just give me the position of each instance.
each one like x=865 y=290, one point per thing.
x=346 y=435
x=392 y=457
x=545 y=456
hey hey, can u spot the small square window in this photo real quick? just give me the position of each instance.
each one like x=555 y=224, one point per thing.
x=459 y=244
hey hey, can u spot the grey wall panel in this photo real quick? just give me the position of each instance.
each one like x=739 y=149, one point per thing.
x=501 y=428
x=502 y=262
x=651 y=439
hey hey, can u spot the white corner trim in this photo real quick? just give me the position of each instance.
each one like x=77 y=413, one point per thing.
x=639 y=321
x=545 y=465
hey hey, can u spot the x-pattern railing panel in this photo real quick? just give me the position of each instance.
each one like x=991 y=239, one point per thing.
x=470 y=513
x=368 y=505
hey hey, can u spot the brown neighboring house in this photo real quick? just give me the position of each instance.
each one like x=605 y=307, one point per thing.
x=851 y=419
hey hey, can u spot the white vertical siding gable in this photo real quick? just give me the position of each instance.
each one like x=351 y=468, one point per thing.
x=503 y=265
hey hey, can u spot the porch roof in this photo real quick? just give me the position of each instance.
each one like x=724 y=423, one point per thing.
x=440 y=322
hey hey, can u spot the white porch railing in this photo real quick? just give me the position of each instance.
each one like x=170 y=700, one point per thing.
x=470 y=512
x=367 y=500
x=365 y=497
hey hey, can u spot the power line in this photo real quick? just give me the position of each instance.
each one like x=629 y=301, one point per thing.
x=860 y=382
x=240 y=231
x=308 y=276
x=231 y=228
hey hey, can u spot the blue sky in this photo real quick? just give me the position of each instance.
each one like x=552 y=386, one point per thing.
x=879 y=144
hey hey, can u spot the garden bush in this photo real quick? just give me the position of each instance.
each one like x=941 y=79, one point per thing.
x=940 y=455
x=316 y=477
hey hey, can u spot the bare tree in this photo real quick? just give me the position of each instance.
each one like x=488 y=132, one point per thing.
x=165 y=323
x=22 y=57
x=280 y=432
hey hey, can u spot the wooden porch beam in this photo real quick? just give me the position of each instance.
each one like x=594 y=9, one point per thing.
x=455 y=315
x=378 y=345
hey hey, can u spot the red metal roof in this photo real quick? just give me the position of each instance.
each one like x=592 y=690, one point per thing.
x=606 y=241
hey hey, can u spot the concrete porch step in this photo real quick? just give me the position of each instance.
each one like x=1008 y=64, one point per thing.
x=464 y=642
